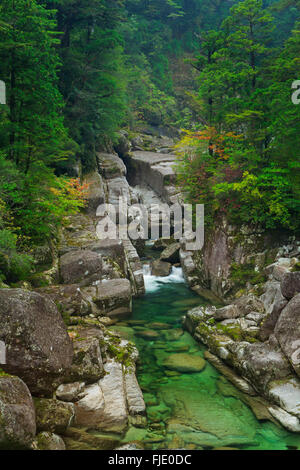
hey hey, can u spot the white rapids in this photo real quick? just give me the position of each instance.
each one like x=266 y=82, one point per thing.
x=154 y=283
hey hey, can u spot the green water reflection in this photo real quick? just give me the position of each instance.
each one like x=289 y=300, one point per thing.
x=194 y=410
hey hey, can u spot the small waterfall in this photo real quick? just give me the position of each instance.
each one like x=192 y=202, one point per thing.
x=154 y=283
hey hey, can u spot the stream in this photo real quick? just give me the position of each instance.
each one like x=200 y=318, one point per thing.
x=198 y=409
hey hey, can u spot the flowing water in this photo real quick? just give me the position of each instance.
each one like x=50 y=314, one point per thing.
x=198 y=409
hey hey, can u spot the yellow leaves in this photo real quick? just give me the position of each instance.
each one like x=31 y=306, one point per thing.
x=55 y=191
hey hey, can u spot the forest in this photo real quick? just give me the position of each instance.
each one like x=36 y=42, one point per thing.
x=219 y=73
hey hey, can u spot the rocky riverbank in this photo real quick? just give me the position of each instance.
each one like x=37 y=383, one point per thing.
x=259 y=338
x=70 y=382
x=66 y=377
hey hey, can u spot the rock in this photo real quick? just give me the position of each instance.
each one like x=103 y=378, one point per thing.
x=260 y=363
x=134 y=395
x=87 y=364
x=71 y=299
x=82 y=266
x=90 y=408
x=184 y=363
x=148 y=334
x=248 y=304
x=162 y=243
x=123 y=146
x=104 y=407
x=38 y=348
x=159 y=326
x=113 y=249
x=286 y=394
x=171 y=254
x=271 y=296
x=111 y=165
x=268 y=326
x=243 y=385
x=196 y=316
x=95 y=194
x=161 y=268
x=17 y=414
x=228 y=312
x=287 y=332
x=255 y=317
x=279 y=272
x=113 y=298
x=79 y=439
x=134 y=268
x=53 y=415
x=173 y=335
x=70 y=392
x=131 y=446
x=48 y=441
x=290 y=285
x=287 y=420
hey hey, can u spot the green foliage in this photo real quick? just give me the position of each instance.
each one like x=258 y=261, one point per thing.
x=243 y=273
x=245 y=161
x=14 y=266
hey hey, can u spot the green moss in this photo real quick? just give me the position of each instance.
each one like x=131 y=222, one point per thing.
x=4 y=374
x=121 y=354
x=39 y=280
x=233 y=331
x=240 y=274
x=296 y=267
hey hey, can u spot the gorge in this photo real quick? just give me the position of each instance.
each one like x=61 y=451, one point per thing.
x=123 y=122
x=175 y=327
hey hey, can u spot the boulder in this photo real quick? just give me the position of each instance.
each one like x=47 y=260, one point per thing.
x=286 y=394
x=271 y=296
x=111 y=166
x=53 y=415
x=269 y=323
x=134 y=395
x=38 y=348
x=17 y=414
x=228 y=312
x=103 y=406
x=70 y=392
x=71 y=299
x=90 y=408
x=290 y=285
x=260 y=363
x=249 y=303
x=113 y=298
x=171 y=254
x=287 y=420
x=161 y=268
x=123 y=146
x=87 y=364
x=48 y=441
x=287 y=332
x=184 y=363
x=82 y=266
x=279 y=272
x=95 y=194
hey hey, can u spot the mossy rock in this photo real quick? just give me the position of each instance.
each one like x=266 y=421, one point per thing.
x=80 y=439
x=53 y=415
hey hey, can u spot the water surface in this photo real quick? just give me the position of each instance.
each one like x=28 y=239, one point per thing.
x=199 y=410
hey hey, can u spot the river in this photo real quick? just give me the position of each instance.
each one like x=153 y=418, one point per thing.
x=193 y=409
